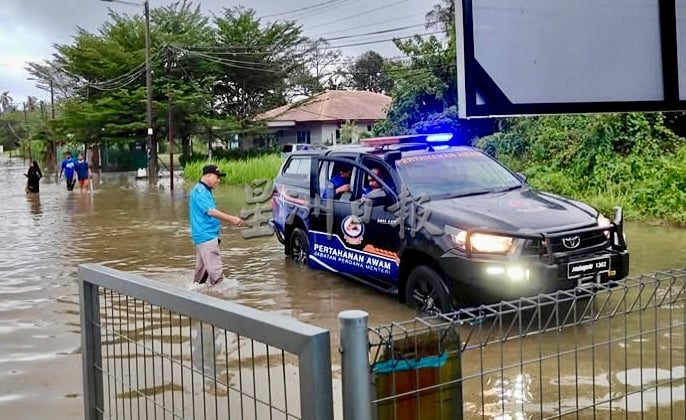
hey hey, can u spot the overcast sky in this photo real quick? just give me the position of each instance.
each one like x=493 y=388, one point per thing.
x=29 y=28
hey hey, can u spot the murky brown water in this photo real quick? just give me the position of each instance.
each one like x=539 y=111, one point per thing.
x=132 y=226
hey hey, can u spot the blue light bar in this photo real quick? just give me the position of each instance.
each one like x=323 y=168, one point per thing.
x=439 y=138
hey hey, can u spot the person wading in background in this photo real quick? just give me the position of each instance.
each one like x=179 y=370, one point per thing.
x=68 y=169
x=82 y=171
x=34 y=175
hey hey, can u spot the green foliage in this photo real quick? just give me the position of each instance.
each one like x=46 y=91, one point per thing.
x=238 y=171
x=368 y=72
x=348 y=132
x=26 y=130
x=319 y=69
x=631 y=160
x=219 y=71
x=424 y=85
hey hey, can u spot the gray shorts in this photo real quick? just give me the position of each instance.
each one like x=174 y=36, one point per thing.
x=208 y=263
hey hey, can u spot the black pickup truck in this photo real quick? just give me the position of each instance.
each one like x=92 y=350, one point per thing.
x=439 y=225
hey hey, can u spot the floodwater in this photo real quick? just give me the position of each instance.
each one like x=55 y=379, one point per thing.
x=130 y=225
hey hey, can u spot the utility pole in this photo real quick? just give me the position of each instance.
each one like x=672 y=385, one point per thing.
x=171 y=143
x=52 y=159
x=152 y=142
x=52 y=98
x=28 y=133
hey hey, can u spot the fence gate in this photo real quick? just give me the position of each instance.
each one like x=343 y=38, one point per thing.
x=153 y=351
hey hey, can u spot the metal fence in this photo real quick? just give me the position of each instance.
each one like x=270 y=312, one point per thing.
x=153 y=351
x=613 y=352
x=156 y=351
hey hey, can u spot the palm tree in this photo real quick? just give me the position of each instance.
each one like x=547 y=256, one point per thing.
x=5 y=101
x=31 y=103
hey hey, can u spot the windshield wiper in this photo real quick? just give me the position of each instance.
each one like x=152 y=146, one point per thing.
x=506 y=189
x=465 y=194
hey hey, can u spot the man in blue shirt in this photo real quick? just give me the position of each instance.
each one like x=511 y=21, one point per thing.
x=68 y=166
x=340 y=182
x=205 y=226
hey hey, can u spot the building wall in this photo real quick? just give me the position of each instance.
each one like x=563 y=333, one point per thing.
x=319 y=133
x=329 y=131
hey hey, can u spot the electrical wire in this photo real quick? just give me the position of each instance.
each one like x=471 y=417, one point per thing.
x=342 y=19
x=304 y=8
x=323 y=10
x=323 y=35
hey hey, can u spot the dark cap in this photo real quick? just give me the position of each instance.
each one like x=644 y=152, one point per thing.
x=212 y=169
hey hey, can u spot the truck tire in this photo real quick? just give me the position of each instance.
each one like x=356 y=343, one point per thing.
x=426 y=291
x=299 y=246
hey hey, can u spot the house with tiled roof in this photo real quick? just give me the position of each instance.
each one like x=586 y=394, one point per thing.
x=318 y=120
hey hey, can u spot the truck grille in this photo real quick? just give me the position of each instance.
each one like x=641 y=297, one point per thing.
x=563 y=243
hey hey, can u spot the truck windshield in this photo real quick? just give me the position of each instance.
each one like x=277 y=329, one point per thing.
x=454 y=174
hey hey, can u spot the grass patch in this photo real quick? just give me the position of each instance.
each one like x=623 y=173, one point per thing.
x=238 y=171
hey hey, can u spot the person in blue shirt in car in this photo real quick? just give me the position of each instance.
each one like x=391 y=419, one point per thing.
x=68 y=168
x=205 y=226
x=340 y=182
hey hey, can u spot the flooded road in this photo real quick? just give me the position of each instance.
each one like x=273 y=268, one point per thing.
x=132 y=226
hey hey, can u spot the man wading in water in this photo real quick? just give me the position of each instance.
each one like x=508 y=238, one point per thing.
x=205 y=226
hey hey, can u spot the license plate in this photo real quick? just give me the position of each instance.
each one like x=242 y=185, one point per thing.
x=588 y=267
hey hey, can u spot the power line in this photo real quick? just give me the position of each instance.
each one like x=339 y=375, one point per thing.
x=358 y=14
x=363 y=26
x=312 y=6
x=383 y=40
x=379 y=32
x=323 y=10
x=221 y=50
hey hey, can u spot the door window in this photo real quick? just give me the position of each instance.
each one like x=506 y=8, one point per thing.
x=336 y=180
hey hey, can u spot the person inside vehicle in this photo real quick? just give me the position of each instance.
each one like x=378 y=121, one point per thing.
x=372 y=184
x=340 y=182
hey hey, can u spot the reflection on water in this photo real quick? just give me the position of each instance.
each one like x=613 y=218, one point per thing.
x=34 y=203
x=131 y=225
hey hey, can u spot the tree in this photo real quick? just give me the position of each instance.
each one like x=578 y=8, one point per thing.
x=220 y=72
x=425 y=85
x=368 y=72
x=254 y=61
x=349 y=132
x=320 y=69
x=31 y=103
x=5 y=101
x=108 y=78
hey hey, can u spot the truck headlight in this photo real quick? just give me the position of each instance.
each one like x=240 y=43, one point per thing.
x=604 y=222
x=483 y=242
x=480 y=242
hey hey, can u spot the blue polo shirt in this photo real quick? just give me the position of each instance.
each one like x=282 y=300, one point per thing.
x=337 y=181
x=68 y=168
x=203 y=226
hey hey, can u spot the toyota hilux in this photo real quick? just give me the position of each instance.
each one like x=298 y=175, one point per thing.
x=439 y=224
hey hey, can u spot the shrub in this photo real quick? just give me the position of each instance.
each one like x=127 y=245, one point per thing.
x=240 y=171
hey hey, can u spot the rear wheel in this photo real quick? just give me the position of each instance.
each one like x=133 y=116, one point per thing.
x=426 y=291
x=299 y=246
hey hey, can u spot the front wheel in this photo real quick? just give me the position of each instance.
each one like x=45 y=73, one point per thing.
x=427 y=292
x=299 y=246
